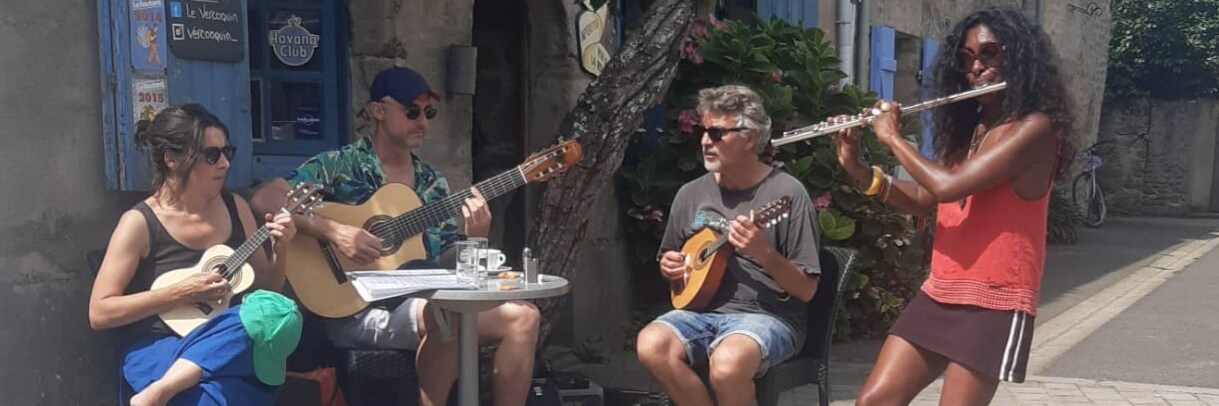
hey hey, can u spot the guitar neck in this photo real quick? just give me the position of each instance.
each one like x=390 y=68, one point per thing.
x=415 y=221
x=242 y=253
x=723 y=238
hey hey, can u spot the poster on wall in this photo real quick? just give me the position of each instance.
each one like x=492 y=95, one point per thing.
x=148 y=97
x=209 y=30
x=147 y=35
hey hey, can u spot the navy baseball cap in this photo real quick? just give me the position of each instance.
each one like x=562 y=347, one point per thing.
x=402 y=83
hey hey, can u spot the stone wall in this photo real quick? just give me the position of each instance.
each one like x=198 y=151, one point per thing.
x=1158 y=156
x=55 y=206
x=1081 y=38
x=417 y=33
x=600 y=297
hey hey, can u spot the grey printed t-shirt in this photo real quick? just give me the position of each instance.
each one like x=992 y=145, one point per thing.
x=746 y=288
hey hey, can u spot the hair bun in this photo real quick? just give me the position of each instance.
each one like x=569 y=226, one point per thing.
x=141 y=133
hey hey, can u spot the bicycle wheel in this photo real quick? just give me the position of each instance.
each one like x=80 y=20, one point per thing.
x=1096 y=207
x=1082 y=190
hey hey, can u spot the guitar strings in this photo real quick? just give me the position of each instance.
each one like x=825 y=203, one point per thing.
x=231 y=265
x=439 y=212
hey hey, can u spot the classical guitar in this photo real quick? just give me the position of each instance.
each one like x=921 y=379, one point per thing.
x=707 y=254
x=229 y=263
x=317 y=270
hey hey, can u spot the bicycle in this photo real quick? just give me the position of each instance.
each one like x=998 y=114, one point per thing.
x=1086 y=192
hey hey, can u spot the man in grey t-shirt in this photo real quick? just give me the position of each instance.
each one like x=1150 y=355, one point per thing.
x=757 y=317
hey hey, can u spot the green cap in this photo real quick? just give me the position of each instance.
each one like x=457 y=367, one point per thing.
x=274 y=324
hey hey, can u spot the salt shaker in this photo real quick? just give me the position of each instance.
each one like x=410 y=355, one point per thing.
x=530 y=266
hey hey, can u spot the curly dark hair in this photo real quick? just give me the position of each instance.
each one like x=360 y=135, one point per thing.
x=1034 y=84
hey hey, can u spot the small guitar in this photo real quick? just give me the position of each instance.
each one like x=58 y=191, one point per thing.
x=229 y=263
x=317 y=270
x=707 y=254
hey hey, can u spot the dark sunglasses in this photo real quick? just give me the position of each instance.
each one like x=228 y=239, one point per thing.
x=715 y=133
x=211 y=155
x=988 y=53
x=412 y=112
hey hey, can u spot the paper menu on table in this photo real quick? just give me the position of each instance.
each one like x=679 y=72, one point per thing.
x=377 y=285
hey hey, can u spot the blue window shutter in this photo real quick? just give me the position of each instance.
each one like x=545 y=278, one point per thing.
x=125 y=165
x=884 y=64
x=222 y=88
x=799 y=12
x=931 y=47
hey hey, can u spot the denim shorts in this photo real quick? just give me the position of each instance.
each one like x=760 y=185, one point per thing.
x=700 y=333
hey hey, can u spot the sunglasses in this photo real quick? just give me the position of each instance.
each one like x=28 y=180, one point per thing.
x=988 y=53
x=412 y=112
x=211 y=155
x=715 y=133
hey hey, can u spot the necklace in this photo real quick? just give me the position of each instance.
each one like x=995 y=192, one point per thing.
x=973 y=147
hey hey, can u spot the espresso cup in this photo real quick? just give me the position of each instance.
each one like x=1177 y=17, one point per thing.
x=491 y=259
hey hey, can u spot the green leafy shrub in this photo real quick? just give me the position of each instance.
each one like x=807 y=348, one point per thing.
x=1063 y=219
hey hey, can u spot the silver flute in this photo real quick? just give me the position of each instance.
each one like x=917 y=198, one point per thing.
x=819 y=129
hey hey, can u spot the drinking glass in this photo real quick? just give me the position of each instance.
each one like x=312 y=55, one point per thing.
x=467 y=260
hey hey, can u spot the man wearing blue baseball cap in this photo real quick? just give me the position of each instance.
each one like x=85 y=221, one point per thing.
x=401 y=105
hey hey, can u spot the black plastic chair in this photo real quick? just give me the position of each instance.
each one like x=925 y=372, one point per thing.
x=93 y=259
x=379 y=377
x=811 y=365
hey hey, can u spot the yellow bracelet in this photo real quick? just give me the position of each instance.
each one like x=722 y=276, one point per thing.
x=876 y=177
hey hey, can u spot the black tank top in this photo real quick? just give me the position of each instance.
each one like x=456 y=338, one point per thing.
x=167 y=254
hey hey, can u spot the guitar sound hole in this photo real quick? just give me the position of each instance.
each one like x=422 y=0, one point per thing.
x=379 y=227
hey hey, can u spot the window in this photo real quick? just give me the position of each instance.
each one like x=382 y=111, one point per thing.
x=298 y=81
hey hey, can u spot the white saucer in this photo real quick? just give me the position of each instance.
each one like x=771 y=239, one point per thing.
x=501 y=268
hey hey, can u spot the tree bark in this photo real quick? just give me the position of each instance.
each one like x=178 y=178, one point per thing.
x=604 y=118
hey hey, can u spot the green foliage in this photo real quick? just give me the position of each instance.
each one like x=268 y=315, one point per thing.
x=1165 y=49
x=1063 y=219
x=796 y=72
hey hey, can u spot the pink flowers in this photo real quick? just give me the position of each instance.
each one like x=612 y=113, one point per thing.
x=715 y=22
x=690 y=52
x=777 y=76
x=822 y=202
x=687 y=119
x=698 y=28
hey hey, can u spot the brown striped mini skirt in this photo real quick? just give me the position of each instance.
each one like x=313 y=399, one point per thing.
x=993 y=343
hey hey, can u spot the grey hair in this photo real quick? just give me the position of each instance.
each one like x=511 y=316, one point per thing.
x=742 y=101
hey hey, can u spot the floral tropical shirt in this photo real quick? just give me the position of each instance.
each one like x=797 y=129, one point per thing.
x=351 y=174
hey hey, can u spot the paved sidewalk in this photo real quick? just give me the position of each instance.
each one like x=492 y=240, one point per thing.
x=1047 y=391
x=1092 y=284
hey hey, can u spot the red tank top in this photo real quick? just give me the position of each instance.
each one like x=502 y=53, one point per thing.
x=990 y=253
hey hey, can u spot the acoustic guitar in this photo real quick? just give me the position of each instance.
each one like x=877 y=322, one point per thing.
x=317 y=270
x=707 y=254
x=231 y=264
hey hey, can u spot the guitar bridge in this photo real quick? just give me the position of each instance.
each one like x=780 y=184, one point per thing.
x=332 y=262
x=203 y=307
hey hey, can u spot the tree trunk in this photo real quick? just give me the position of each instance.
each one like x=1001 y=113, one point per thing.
x=604 y=118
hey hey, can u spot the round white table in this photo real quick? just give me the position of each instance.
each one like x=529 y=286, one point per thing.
x=467 y=303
